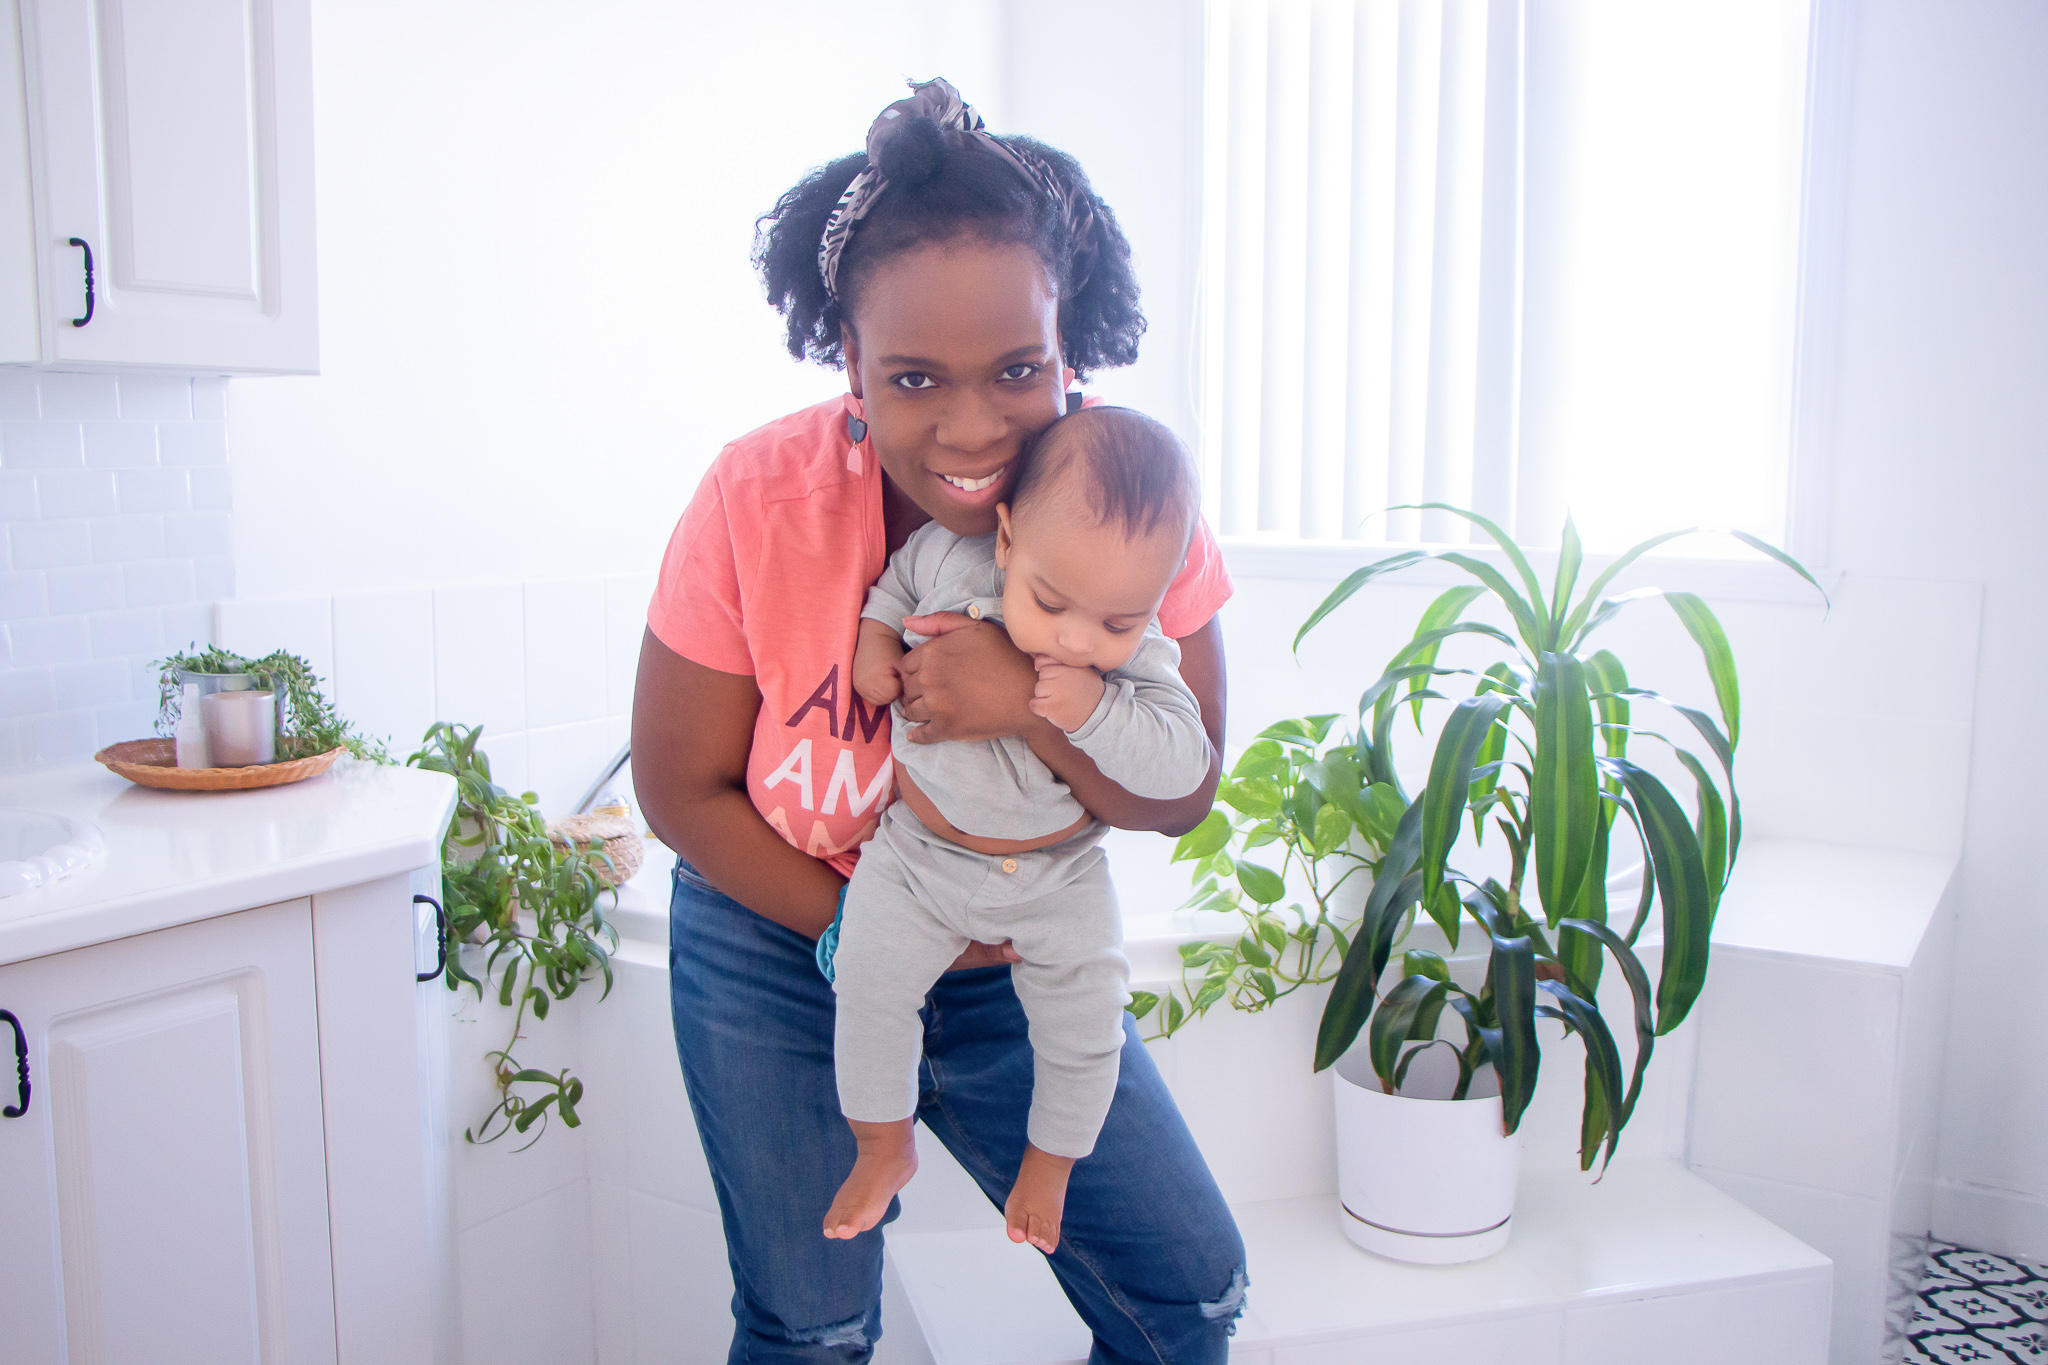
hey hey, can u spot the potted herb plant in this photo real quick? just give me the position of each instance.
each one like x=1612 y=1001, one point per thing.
x=1539 y=752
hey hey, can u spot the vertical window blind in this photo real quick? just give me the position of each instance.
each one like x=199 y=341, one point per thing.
x=1516 y=257
x=1361 y=267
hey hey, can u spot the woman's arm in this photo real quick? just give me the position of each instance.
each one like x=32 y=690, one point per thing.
x=970 y=682
x=692 y=729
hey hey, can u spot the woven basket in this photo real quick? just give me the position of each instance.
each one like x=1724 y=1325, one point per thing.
x=621 y=842
x=154 y=763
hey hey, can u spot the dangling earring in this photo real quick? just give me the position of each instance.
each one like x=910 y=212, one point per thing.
x=856 y=430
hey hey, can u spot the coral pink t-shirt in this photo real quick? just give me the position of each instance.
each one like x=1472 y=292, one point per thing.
x=766 y=575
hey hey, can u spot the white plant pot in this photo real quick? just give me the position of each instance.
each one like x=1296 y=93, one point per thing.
x=1423 y=1178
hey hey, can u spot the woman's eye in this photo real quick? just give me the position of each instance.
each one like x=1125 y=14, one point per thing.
x=1024 y=371
x=916 y=381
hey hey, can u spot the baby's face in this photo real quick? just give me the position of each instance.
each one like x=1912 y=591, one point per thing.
x=1081 y=592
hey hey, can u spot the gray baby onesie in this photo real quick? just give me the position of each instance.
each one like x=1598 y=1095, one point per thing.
x=916 y=900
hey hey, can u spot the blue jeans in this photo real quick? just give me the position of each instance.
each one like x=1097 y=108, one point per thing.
x=1148 y=1252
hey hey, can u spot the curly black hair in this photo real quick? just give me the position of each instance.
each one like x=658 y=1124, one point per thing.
x=944 y=184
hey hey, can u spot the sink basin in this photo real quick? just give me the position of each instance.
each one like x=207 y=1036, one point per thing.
x=37 y=849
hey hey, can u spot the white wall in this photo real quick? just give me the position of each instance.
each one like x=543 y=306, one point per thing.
x=1942 y=471
x=114 y=496
x=538 y=319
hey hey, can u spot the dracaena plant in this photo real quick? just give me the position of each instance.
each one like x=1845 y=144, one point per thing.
x=1540 y=750
x=1536 y=748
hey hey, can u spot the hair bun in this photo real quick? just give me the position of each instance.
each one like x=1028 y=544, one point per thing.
x=908 y=149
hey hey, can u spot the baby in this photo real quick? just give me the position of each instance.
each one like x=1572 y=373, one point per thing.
x=986 y=843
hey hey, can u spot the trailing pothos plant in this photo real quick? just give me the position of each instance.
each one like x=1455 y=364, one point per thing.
x=530 y=907
x=1539 y=751
x=1302 y=797
x=307 y=722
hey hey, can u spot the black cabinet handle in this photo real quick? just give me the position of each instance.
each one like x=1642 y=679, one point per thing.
x=81 y=244
x=15 y=1111
x=440 y=941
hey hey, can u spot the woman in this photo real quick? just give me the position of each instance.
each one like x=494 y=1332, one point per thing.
x=962 y=281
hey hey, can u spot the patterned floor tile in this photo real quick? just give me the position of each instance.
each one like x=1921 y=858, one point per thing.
x=1975 y=1308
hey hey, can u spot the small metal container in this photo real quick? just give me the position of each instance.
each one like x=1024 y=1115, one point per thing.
x=241 y=727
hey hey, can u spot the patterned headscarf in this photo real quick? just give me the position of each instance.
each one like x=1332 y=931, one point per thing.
x=937 y=100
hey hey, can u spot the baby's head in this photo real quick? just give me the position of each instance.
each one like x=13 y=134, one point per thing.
x=1097 y=525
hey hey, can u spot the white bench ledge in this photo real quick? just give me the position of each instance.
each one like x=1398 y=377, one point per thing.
x=1651 y=1264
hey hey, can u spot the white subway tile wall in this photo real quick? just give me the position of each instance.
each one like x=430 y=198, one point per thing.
x=114 y=499
x=546 y=667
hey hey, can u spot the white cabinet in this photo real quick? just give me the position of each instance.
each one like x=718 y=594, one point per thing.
x=164 y=1197
x=172 y=140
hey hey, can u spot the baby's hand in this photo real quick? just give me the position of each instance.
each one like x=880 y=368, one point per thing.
x=1065 y=695
x=876 y=652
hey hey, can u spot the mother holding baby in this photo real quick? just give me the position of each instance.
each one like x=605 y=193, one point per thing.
x=962 y=280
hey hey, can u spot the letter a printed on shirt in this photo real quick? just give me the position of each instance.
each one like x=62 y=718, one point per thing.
x=857 y=800
x=795 y=767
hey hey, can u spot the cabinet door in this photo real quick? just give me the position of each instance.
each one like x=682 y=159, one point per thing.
x=164 y=1200
x=175 y=138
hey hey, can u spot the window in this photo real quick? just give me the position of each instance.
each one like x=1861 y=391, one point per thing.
x=1519 y=257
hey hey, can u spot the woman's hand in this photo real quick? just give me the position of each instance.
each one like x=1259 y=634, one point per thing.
x=986 y=955
x=967 y=682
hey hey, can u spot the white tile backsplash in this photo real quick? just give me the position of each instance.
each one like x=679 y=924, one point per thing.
x=565 y=637
x=625 y=621
x=96 y=583
x=384 y=665
x=480 y=656
x=303 y=625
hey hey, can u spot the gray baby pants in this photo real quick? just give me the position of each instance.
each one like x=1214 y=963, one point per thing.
x=912 y=907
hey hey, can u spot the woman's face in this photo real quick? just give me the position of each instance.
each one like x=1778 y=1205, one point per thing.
x=954 y=351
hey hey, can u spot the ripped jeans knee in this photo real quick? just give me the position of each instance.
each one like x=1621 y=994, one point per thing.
x=1228 y=1305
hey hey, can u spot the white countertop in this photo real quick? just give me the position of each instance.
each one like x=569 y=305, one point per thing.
x=174 y=857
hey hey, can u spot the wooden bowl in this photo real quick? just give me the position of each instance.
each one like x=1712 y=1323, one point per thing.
x=154 y=763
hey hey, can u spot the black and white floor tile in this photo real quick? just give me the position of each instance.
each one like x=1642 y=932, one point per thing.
x=1976 y=1307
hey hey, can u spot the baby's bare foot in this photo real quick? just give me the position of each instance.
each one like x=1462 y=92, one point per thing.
x=1038 y=1199
x=886 y=1160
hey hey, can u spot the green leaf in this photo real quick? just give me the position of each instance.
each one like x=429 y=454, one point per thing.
x=1639 y=991
x=1332 y=828
x=1430 y=632
x=1394 y=1021
x=1290 y=732
x=1319 y=726
x=1575 y=624
x=1383 y=811
x=1423 y=962
x=1527 y=620
x=1175 y=1014
x=1358 y=578
x=1569 y=555
x=1450 y=777
x=1261 y=884
x=1700 y=623
x=1711 y=827
x=1509 y=548
x=1564 y=800
x=1512 y=973
x=1204 y=839
x=1272 y=931
x=1603 y=1068
x=1787 y=560
x=1253 y=951
x=1258 y=798
x=1395 y=888
x=1338 y=777
x=1608 y=682
x=1142 y=1003
x=1674 y=852
x=1263 y=759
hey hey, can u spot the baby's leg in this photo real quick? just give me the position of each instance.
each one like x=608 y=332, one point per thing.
x=1072 y=984
x=890 y=951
